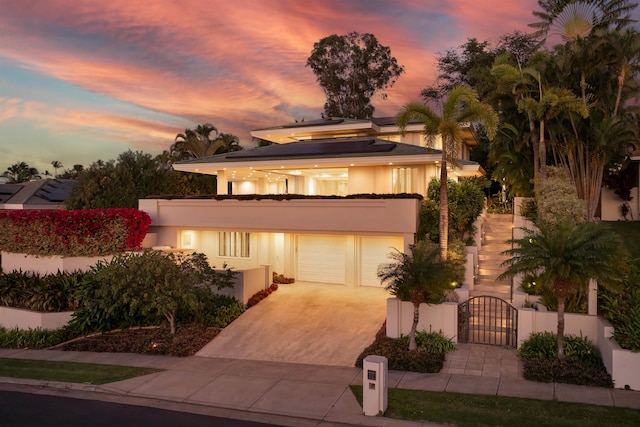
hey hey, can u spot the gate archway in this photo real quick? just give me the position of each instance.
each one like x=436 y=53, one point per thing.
x=488 y=320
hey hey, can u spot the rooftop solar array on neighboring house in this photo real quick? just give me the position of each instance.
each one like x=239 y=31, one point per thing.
x=316 y=148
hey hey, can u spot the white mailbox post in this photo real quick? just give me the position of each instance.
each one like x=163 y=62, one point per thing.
x=375 y=371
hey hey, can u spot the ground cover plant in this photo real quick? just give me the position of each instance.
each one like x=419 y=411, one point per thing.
x=470 y=410
x=85 y=373
x=49 y=293
x=427 y=358
x=581 y=365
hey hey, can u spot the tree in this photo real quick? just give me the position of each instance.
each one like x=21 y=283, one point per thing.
x=572 y=19
x=20 y=172
x=564 y=257
x=350 y=69
x=56 y=165
x=203 y=141
x=133 y=176
x=460 y=109
x=419 y=277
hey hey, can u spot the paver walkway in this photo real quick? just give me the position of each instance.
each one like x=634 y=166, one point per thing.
x=302 y=323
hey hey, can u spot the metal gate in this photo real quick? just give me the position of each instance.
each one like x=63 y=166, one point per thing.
x=488 y=320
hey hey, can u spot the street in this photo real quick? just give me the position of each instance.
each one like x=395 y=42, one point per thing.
x=25 y=410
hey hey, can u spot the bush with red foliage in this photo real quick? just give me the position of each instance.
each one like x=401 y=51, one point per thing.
x=90 y=232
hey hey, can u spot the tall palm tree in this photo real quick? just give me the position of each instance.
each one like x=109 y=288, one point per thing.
x=203 y=141
x=419 y=277
x=56 y=165
x=20 y=172
x=565 y=257
x=460 y=109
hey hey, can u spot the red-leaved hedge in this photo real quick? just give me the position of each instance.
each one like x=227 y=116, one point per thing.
x=90 y=232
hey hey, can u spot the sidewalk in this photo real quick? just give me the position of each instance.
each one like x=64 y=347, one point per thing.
x=289 y=393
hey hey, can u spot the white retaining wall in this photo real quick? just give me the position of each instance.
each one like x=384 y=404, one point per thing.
x=440 y=317
x=11 y=318
x=248 y=282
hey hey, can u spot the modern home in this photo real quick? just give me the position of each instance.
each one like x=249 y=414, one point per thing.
x=325 y=202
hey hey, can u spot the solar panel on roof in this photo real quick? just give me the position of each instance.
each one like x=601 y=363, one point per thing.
x=310 y=148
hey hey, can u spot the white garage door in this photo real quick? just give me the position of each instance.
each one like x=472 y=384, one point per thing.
x=373 y=252
x=321 y=259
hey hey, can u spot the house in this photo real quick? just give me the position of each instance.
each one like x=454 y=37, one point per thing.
x=320 y=237
x=39 y=194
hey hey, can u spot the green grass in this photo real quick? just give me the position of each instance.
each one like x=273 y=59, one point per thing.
x=630 y=233
x=72 y=372
x=479 y=410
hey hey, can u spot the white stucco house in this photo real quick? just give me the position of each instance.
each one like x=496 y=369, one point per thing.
x=290 y=205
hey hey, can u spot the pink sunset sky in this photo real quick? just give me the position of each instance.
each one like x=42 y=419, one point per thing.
x=86 y=80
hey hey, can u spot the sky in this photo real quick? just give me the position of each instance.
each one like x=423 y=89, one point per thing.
x=83 y=80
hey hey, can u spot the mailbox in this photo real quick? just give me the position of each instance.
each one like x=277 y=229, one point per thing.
x=375 y=371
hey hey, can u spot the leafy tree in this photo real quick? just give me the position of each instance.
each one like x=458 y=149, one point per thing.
x=203 y=141
x=20 y=172
x=350 y=69
x=565 y=257
x=133 y=176
x=466 y=202
x=460 y=108
x=419 y=277
x=558 y=199
x=135 y=289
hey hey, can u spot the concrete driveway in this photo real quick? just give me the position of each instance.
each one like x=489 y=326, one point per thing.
x=305 y=323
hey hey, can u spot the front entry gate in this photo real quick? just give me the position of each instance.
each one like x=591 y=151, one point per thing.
x=488 y=320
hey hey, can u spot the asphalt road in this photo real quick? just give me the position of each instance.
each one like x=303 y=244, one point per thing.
x=26 y=410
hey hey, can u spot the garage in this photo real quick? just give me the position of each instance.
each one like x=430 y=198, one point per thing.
x=321 y=259
x=373 y=252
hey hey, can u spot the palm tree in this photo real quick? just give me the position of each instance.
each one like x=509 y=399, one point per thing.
x=419 y=277
x=577 y=19
x=20 y=172
x=56 y=165
x=565 y=257
x=203 y=141
x=461 y=107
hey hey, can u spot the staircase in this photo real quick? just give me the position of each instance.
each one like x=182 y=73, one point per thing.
x=497 y=230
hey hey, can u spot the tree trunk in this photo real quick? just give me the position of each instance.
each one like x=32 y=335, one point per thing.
x=412 y=334
x=561 y=302
x=444 y=209
x=171 y=318
x=543 y=155
x=621 y=78
x=535 y=146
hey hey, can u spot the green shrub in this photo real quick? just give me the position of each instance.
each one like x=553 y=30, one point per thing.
x=568 y=370
x=581 y=365
x=622 y=309
x=34 y=338
x=50 y=293
x=544 y=345
x=428 y=358
x=143 y=289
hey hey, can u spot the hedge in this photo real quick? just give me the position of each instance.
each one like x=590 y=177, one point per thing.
x=91 y=232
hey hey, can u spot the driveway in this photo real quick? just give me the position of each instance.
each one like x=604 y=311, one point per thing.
x=305 y=323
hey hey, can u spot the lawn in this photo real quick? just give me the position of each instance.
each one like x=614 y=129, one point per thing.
x=481 y=410
x=87 y=373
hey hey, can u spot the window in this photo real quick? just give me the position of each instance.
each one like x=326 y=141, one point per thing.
x=233 y=244
x=404 y=180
